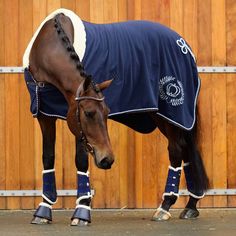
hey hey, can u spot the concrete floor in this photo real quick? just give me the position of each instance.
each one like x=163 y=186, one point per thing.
x=221 y=222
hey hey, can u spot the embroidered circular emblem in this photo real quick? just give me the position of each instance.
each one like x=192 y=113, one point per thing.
x=171 y=90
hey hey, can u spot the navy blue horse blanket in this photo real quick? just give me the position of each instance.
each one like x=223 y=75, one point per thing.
x=153 y=70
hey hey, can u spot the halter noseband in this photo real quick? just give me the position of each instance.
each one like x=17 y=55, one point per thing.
x=88 y=146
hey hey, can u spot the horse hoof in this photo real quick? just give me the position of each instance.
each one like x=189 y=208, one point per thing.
x=188 y=213
x=161 y=215
x=78 y=222
x=40 y=221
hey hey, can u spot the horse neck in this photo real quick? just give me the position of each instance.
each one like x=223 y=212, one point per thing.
x=68 y=85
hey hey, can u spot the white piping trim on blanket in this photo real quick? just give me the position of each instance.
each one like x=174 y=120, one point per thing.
x=133 y=111
x=79 y=34
x=52 y=115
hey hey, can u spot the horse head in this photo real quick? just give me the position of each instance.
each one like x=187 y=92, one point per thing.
x=92 y=114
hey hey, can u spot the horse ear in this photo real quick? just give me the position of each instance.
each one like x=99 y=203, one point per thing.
x=104 y=84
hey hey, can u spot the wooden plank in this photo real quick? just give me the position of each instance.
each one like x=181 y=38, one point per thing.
x=135 y=9
x=138 y=170
x=205 y=134
x=190 y=24
x=176 y=16
x=163 y=8
x=110 y=12
x=231 y=96
x=149 y=10
x=231 y=32
x=53 y=5
x=2 y=134
x=83 y=9
x=124 y=168
x=96 y=11
x=68 y=4
x=2 y=110
x=131 y=168
x=122 y=10
x=219 y=130
x=231 y=136
x=219 y=101
x=149 y=166
x=204 y=57
x=204 y=54
x=26 y=121
x=219 y=33
x=12 y=104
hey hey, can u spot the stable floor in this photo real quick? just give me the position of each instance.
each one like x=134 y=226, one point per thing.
x=215 y=222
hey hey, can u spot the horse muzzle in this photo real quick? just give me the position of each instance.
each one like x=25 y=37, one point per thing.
x=105 y=163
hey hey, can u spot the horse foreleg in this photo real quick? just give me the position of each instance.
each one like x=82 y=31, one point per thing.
x=43 y=214
x=81 y=214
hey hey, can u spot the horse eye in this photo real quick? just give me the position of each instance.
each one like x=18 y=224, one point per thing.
x=89 y=114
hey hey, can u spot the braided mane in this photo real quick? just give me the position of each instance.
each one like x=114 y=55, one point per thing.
x=74 y=56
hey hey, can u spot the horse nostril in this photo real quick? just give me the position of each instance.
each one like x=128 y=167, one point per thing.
x=106 y=163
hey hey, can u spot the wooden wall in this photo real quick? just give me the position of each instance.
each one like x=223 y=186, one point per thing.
x=138 y=176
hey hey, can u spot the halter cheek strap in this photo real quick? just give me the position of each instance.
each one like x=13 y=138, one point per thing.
x=88 y=146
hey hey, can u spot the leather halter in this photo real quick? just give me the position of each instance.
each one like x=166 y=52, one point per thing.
x=89 y=148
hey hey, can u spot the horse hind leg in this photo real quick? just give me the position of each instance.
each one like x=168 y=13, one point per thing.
x=43 y=214
x=195 y=175
x=81 y=216
x=172 y=185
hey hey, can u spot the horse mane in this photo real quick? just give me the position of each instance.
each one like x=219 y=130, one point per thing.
x=74 y=56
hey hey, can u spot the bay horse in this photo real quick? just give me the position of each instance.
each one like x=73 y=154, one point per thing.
x=70 y=63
